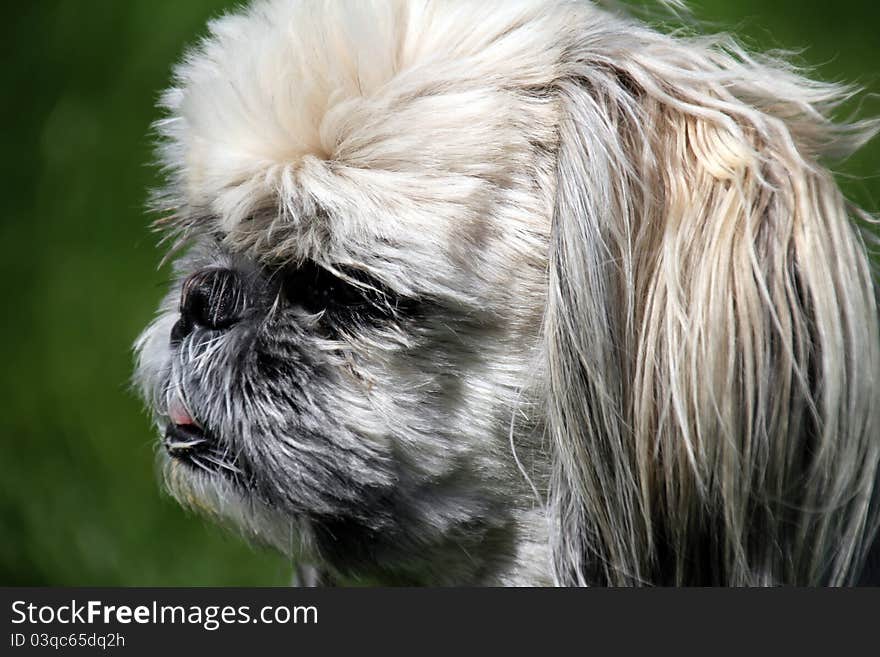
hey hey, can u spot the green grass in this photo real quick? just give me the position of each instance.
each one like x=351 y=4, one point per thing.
x=79 y=504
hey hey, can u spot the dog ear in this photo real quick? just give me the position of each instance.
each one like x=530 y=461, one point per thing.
x=711 y=333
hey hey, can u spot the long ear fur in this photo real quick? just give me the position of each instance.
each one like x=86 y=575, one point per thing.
x=711 y=333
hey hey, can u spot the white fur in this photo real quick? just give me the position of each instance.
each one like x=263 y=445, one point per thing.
x=679 y=286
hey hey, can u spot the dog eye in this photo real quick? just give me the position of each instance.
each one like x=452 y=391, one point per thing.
x=316 y=289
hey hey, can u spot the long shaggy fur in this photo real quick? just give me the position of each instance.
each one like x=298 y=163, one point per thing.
x=622 y=324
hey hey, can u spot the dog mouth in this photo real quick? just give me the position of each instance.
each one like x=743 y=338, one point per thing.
x=190 y=442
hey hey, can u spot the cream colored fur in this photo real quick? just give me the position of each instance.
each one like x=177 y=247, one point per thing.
x=691 y=320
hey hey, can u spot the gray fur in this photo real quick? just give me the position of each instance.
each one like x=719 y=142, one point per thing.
x=619 y=325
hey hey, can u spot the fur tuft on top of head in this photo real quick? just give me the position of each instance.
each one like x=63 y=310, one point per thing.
x=287 y=103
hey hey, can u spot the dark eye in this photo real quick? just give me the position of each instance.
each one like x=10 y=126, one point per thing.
x=315 y=289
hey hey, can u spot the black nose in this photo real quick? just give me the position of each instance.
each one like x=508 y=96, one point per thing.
x=211 y=298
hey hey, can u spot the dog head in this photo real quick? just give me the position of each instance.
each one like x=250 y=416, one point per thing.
x=512 y=293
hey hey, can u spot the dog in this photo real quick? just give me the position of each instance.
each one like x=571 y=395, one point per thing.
x=513 y=293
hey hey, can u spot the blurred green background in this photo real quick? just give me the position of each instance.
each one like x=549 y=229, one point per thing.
x=79 y=504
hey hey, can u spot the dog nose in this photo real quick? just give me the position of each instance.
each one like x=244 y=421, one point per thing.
x=211 y=298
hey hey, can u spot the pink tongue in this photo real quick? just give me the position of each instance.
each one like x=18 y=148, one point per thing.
x=177 y=413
